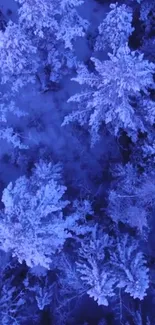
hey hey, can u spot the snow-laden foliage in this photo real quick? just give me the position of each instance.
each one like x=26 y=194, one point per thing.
x=7 y=133
x=69 y=248
x=12 y=303
x=16 y=305
x=67 y=290
x=115 y=29
x=60 y=60
x=32 y=224
x=129 y=266
x=68 y=279
x=53 y=26
x=105 y=265
x=71 y=25
x=33 y=216
x=92 y=266
x=60 y=18
x=9 y=108
x=40 y=289
x=37 y=16
x=77 y=222
x=18 y=63
x=110 y=94
x=131 y=199
x=43 y=296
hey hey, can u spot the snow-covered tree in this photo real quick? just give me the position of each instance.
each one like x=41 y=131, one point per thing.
x=131 y=198
x=71 y=24
x=53 y=26
x=115 y=29
x=106 y=264
x=16 y=305
x=129 y=266
x=37 y=16
x=68 y=289
x=32 y=224
x=18 y=63
x=60 y=18
x=59 y=60
x=41 y=289
x=111 y=94
x=12 y=301
x=10 y=305
x=93 y=269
